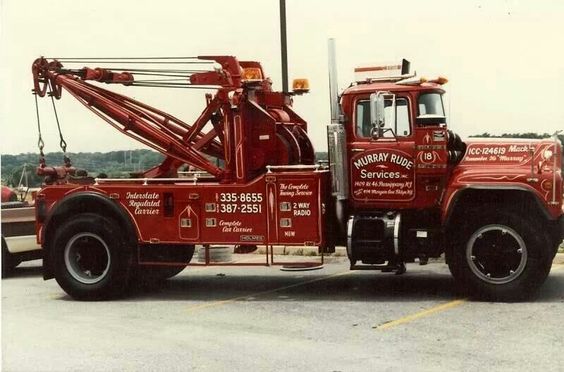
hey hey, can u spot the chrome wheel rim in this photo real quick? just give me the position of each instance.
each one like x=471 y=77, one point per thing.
x=496 y=254
x=87 y=258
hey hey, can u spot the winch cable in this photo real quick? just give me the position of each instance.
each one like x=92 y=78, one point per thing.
x=167 y=83
x=158 y=71
x=151 y=66
x=168 y=75
x=168 y=59
x=62 y=141
x=163 y=74
x=170 y=85
x=40 y=142
x=164 y=80
x=135 y=62
x=129 y=58
x=161 y=70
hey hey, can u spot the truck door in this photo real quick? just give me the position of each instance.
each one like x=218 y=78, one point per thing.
x=382 y=150
x=431 y=153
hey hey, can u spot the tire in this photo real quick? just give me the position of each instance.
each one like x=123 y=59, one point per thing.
x=500 y=255
x=91 y=257
x=9 y=261
x=453 y=270
x=245 y=248
x=151 y=274
x=217 y=253
x=164 y=273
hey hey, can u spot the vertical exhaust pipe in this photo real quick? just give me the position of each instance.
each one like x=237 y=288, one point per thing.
x=333 y=85
x=336 y=138
x=337 y=147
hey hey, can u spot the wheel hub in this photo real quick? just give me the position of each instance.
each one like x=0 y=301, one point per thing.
x=496 y=254
x=87 y=258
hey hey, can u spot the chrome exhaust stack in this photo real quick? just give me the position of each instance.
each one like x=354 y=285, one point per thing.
x=337 y=143
x=333 y=84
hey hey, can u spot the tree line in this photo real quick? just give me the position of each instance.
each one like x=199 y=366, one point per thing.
x=115 y=164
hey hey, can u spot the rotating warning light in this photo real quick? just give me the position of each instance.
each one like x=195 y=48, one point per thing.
x=251 y=74
x=300 y=86
x=439 y=80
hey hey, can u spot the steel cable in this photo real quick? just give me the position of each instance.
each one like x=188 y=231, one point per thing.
x=138 y=62
x=62 y=142
x=118 y=58
x=40 y=142
x=171 y=85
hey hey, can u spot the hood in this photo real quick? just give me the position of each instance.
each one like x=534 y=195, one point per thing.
x=504 y=152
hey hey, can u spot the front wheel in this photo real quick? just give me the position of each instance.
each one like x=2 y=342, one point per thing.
x=91 y=258
x=501 y=256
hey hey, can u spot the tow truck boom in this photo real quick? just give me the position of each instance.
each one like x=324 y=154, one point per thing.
x=180 y=142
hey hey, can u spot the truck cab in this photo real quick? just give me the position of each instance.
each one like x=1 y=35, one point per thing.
x=408 y=189
x=396 y=158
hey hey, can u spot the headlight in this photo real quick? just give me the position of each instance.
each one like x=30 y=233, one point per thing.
x=547 y=154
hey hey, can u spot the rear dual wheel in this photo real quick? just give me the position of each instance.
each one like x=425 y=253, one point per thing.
x=91 y=257
x=501 y=255
x=180 y=255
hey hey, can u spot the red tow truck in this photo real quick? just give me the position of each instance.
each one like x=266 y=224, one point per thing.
x=400 y=187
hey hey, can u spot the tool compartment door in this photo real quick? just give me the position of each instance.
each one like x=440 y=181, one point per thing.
x=295 y=209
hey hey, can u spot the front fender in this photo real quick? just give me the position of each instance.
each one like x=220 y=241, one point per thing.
x=492 y=193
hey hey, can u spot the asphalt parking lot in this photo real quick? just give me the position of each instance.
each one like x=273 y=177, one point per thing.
x=262 y=319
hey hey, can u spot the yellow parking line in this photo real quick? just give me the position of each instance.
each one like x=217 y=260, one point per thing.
x=421 y=314
x=435 y=309
x=235 y=299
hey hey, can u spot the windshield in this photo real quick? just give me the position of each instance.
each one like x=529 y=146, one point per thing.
x=431 y=104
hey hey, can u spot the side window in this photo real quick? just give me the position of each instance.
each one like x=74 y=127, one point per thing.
x=363 y=125
x=401 y=127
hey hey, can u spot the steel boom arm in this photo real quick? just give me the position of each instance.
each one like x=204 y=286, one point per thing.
x=178 y=141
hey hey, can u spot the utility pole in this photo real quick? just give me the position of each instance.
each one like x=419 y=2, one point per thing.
x=283 y=44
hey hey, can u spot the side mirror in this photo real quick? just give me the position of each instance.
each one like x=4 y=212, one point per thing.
x=378 y=112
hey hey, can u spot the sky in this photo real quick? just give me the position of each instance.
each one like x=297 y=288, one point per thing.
x=503 y=58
